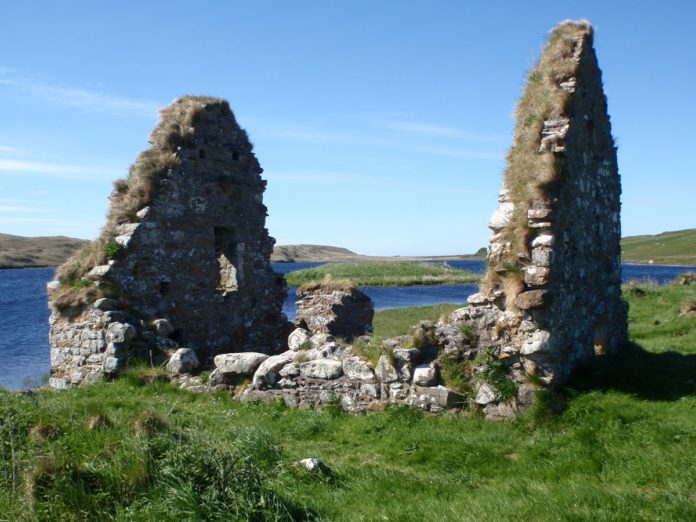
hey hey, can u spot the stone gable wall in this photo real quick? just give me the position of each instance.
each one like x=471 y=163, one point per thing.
x=197 y=255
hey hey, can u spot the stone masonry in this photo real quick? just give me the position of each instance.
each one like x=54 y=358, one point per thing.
x=334 y=307
x=553 y=296
x=191 y=267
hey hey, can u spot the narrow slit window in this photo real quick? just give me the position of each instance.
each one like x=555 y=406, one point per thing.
x=227 y=255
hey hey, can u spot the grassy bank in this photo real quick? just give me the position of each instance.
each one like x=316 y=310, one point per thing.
x=669 y=248
x=384 y=273
x=620 y=448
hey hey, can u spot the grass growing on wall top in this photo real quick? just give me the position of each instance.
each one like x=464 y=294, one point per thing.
x=138 y=190
x=529 y=173
x=383 y=273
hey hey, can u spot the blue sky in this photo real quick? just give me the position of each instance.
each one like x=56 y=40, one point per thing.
x=381 y=126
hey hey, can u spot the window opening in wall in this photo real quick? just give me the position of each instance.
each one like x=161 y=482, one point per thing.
x=235 y=156
x=227 y=253
x=164 y=288
x=201 y=154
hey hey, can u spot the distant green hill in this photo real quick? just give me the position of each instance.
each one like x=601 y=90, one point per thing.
x=668 y=248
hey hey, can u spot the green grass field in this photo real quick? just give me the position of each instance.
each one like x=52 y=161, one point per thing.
x=668 y=248
x=384 y=273
x=618 y=443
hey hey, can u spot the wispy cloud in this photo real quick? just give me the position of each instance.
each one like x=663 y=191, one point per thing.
x=430 y=129
x=15 y=208
x=84 y=99
x=12 y=166
x=432 y=139
x=5 y=149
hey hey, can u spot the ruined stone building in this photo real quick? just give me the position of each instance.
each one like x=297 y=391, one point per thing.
x=184 y=257
x=552 y=295
x=184 y=261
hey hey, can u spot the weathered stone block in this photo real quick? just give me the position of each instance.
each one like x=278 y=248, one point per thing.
x=184 y=360
x=244 y=363
x=321 y=369
x=531 y=299
x=358 y=370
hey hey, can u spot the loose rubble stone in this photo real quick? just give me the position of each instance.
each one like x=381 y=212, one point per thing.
x=163 y=327
x=298 y=338
x=385 y=371
x=336 y=308
x=184 y=360
x=321 y=369
x=268 y=372
x=244 y=363
x=358 y=370
x=424 y=375
x=485 y=394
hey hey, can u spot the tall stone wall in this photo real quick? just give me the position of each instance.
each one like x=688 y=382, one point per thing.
x=552 y=297
x=184 y=258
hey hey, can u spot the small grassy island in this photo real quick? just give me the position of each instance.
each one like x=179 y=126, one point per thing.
x=617 y=441
x=384 y=273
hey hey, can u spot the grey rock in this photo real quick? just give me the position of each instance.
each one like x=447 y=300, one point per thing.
x=439 y=397
x=113 y=364
x=98 y=272
x=120 y=332
x=385 y=371
x=315 y=465
x=502 y=216
x=537 y=343
x=322 y=369
x=320 y=339
x=244 y=363
x=358 y=370
x=298 y=338
x=485 y=394
x=290 y=370
x=424 y=375
x=106 y=304
x=163 y=327
x=184 y=360
x=407 y=355
x=267 y=372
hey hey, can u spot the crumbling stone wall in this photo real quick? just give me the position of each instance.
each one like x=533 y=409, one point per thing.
x=552 y=297
x=185 y=246
x=338 y=308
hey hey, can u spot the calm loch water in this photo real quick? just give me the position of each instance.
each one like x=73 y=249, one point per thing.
x=24 y=354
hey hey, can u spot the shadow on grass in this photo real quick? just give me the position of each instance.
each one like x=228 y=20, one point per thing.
x=651 y=376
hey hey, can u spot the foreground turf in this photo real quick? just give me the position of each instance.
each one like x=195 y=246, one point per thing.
x=383 y=273
x=617 y=444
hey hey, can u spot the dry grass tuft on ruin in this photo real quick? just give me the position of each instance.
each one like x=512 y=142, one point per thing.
x=530 y=171
x=328 y=284
x=129 y=195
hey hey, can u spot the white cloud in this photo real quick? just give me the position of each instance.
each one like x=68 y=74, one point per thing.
x=84 y=99
x=14 y=167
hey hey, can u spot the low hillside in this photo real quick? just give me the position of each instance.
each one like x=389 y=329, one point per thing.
x=307 y=253
x=669 y=248
x=27 y=252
